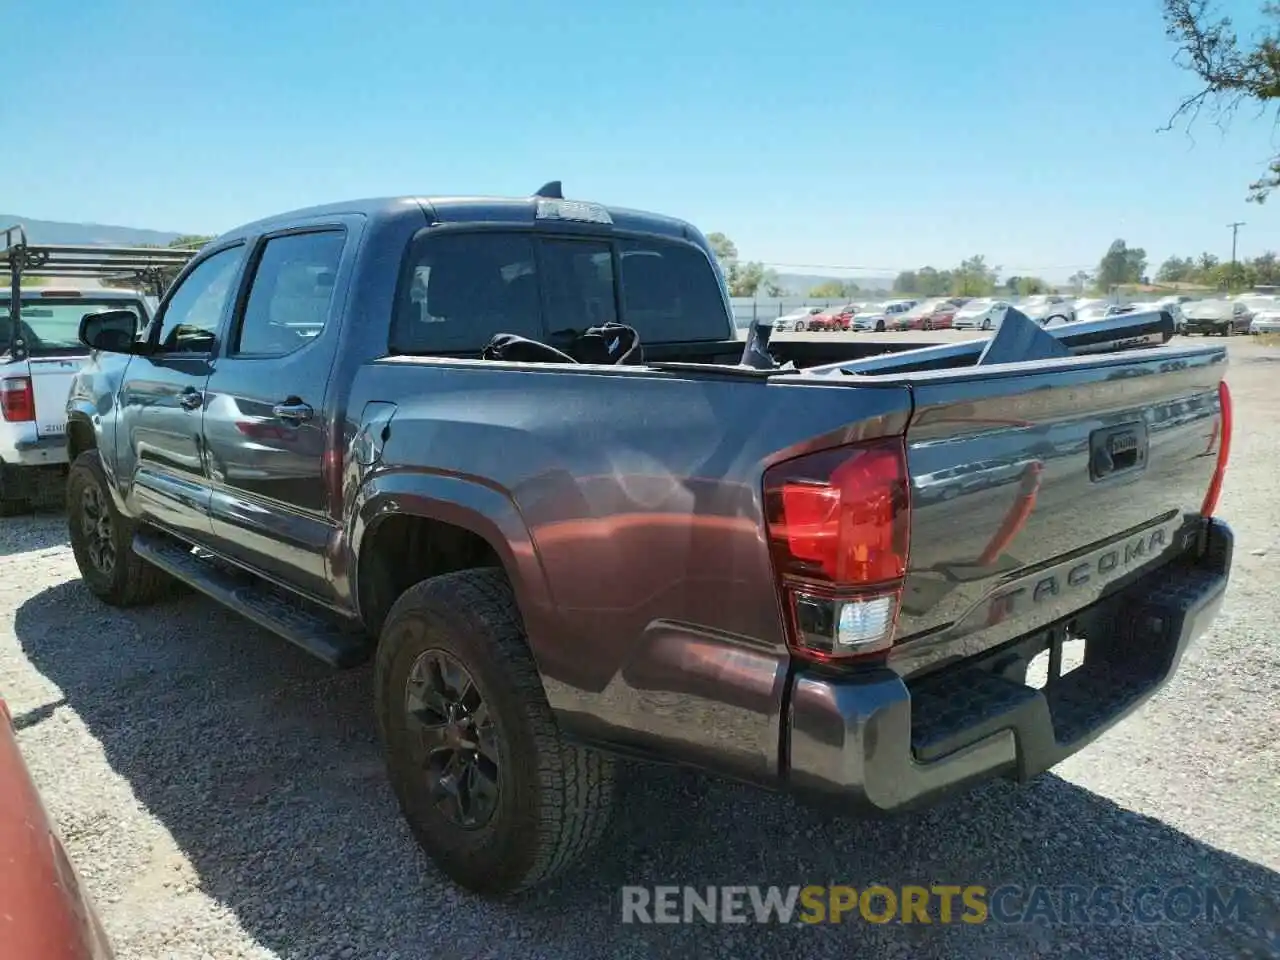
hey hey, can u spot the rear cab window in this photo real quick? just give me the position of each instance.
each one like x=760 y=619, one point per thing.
x=463 y=288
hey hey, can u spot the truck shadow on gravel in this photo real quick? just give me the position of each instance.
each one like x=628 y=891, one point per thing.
x=265 y=768
x=37 y=530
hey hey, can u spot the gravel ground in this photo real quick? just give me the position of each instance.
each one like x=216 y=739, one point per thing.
x=223 y=794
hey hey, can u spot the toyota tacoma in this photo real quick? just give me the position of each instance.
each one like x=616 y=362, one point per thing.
x=513 y=452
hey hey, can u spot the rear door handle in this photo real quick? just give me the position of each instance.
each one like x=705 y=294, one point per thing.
x=190 y=399
x=292 y=409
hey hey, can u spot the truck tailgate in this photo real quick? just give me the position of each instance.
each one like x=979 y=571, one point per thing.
x=51 y=383
x=1037 y=488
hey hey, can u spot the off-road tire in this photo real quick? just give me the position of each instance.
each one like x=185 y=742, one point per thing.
x=132 y=581
x=554 y=797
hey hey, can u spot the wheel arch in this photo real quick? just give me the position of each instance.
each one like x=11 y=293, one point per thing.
x=410 y=526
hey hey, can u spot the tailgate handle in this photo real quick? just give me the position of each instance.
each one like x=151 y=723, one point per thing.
x=1117 y=450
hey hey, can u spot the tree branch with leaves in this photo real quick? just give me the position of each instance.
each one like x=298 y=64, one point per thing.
x=1232 y=72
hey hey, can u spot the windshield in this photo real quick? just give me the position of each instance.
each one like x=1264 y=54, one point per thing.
x=1212 y=308
x=53 y=326
x=975 y=306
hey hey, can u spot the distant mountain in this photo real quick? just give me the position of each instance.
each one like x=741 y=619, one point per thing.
x=800 y=284
x=52 y=231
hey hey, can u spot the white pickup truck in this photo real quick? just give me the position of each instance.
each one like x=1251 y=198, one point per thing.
x=40 y=349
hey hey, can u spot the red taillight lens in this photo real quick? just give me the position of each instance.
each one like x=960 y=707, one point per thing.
x=839 y=532
x=1224 y=452
x=17 y=402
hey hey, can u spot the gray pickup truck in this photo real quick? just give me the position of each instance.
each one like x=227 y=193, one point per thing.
x=394 y=430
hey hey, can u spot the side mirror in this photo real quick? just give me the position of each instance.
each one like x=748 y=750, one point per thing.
x=115 y=331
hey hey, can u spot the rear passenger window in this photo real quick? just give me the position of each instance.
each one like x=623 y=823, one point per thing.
x=466 y=287
x=670 y=292
x=291 y=295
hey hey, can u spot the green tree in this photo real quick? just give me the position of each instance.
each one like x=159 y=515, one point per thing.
x=748 y=279
x=1176 y=270
x=1266 y=268
x=1121 y=264
x=834 y=290
x=906 y=282
x=974 y=278
x=1030 y=286
x=1080 y=279
x=931 y=282
x=1230 y=72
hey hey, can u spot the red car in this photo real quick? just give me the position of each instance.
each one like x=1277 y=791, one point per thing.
x=837 y=318
x=929 y=315
x=45 y=914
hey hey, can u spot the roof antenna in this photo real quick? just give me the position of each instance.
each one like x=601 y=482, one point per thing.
x=550 y=191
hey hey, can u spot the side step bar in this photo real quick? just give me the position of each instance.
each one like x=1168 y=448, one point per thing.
x=321 y=634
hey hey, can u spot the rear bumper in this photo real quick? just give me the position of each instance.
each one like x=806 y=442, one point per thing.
x=877 y=743
x=24 y=448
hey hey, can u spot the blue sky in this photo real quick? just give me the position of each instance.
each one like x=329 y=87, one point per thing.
x=883 y=135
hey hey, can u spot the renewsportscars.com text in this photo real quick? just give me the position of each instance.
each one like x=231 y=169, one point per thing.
x=937 y=903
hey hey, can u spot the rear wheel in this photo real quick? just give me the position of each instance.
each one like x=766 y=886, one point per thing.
x=986 y=324
x=102 y=540
x=879 y=326
x=491 y=790
x=799 y=326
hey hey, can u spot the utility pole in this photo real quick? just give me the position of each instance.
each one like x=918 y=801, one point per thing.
x=1234 y=228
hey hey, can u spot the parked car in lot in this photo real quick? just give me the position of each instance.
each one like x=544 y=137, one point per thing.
x=797 y=320
x=1266 y=321
x=1049 y=310
x=834 y=318
x=1221 y=317
x=982 y=314
x=526 y=474
x=1174 y=306
x=870 y=318
x=1091 y=308
x=933 y=314
x=45 y=911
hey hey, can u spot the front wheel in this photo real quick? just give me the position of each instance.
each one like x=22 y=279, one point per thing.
x=986 y=324
x=491 y=790
x=102 y=540
x=799 y=326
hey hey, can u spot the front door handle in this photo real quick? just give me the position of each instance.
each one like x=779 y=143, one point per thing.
x=190 y=399
x=292 y=409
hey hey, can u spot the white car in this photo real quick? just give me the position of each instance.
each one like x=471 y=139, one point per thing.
x=895 y=308
x=1266 y=321
x=795 y=320
x=1091 y=309
x=1048 y=310
x=983 y=314
x=870 y=318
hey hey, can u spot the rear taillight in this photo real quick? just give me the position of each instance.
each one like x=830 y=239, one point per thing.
x=17 y=402
x=839 y=531
x=1223 y=432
